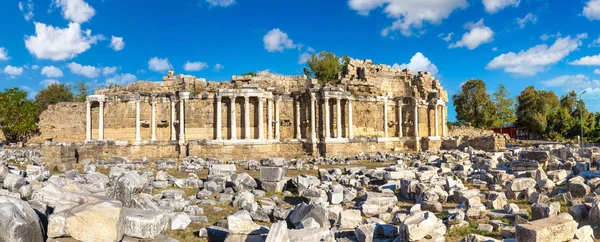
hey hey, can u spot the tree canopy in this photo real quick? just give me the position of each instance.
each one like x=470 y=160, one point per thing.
x=474 y=105
x=53 y=94
x=326 y=66
x=18 y=115
x=505 y=107
x=82 y=89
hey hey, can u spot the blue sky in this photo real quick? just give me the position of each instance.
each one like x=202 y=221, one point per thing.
x=554 y=45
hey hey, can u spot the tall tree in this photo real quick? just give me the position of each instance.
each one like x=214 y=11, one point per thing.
x=535 y=108
x=473 y=104
x=18 y=115
x=82 y=89
x=53 y=94
x=505 y=107
x=326 y=67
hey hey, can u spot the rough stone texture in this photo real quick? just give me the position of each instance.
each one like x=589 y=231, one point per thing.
x=548 y=229
x=95 y=221
x=18 y=221
x=144 y=224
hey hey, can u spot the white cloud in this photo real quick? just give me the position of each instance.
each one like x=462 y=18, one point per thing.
x=592 y=10
x=159 y=65
x=529 y=18
x=220 y=3
x=448 y=37
x=409 y=15
x=303 y=58
x=581 y=81
x=195 y=66
x=77 y=11
x=27 y=9
x=478 y=34
x=3 y=54
x=59 y=44
x=87 y=71
x=48 y=82
x=30 y=92
x=493 y=6
x=117 y=43
x=419 y=63
x=218 y=67
x=595 y=43
x=13 y=71
x=109 y=70
x=276 y=40
x=535 y=59
x=597 y=71
x=122 y=79
x=495 y=49
x=52 y=72
x=35 y=67
x=593 y=60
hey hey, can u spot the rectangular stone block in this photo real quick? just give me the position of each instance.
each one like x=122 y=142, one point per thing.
x=273 y=186
x=539 y=155
x=548 y=230
x=271 y=173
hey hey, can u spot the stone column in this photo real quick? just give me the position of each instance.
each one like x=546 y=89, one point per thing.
x=269 y=118
x=173 y=132
x=153 y=121
x=218 y=117
x=326 y=103
x=444 y=122
x=436 y=120
x=182 y=98
x=298 y=131
x=385 y=117
x=338 y=117
x=350 y=125
x=416 y=120
x=400 y=119
x=233 y=127
x=101 y=120
x=88 y=121
x=313 y=126
x=138 y=133
x=246 y=117
x=261 y=124
x=277 y=131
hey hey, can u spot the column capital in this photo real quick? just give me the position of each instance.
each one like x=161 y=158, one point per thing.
x=184 y=95
x=218 y=98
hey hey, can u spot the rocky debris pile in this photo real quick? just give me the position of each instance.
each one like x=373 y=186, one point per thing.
x=21 y=156
x=519 y=194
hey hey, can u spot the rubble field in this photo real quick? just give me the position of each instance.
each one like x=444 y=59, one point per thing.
x=545 y=193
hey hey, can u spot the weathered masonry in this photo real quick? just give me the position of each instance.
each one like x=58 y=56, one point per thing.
x=372 y=108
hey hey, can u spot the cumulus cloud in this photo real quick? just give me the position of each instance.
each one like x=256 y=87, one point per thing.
x=597 y=71
x=122 y=79
x=418 y=63
x=569 y=81
x=52 y=72
x=535 y=59
x=409 y=15
x=218 y=67
x=3 y=54
x=35 y=67
x=159 y=65
x=448 y=37
x=109 y=70
x=13 y=71
x=77 y=11
x=26 y=7
x=195 y=66
x=493 y=6
x=592 y=10
x=592 y=60
x=529 y=18
x=87 y=71
x=478 y=34
x=595 y=43
x=117 y=43
x=276 y=40
x=303 y=58
x=59 y=44
x=49 y=82
x=220 y=3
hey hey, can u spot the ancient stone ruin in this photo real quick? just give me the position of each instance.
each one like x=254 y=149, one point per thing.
x=372 y=108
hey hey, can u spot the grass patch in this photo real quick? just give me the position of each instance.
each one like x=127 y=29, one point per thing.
x=457 y=234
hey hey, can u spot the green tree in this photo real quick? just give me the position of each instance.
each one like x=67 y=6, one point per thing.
x=505 y=107
x=535 y=109
x=473 y=104
x=18 y=115
x=53 y=94
x=82 y=89
x=326 y=67
x=250 y=73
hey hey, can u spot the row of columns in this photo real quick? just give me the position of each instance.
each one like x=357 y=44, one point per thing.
x=270 y=109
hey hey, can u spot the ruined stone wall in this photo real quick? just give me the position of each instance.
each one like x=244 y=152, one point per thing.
x=366 y=146
x=367 y=119
x=199 y=119
x=460 y=131
x=63 y=122
x=247 y=152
